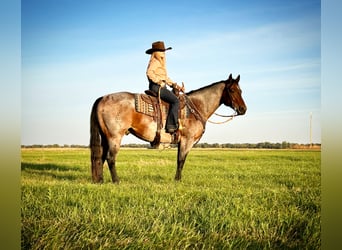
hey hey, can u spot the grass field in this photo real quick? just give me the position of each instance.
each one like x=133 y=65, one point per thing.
x=228 y=199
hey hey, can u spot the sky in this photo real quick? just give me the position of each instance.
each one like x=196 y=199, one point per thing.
x=72 y=52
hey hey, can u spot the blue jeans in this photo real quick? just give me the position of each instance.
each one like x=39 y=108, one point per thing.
x=169 y=97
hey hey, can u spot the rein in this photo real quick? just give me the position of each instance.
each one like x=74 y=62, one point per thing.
x=230 y=117
x=198 y=115
x=194 y=111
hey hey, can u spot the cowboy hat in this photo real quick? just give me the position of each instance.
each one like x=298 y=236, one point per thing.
x=157 y=46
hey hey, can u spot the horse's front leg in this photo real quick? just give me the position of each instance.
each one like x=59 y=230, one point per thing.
x=184 y=147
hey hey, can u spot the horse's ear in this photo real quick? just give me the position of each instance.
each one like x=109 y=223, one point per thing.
x=238 y=78
x=230 y=77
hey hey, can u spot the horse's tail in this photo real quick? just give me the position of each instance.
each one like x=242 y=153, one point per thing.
x=96 y=144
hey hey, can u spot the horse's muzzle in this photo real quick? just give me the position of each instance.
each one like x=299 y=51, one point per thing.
x=241 y=110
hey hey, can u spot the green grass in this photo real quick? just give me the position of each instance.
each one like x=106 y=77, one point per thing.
x=228 y=199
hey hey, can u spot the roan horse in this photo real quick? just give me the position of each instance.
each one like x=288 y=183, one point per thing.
x=114 y=115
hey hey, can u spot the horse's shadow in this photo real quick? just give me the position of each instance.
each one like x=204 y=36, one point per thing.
x=51 y=170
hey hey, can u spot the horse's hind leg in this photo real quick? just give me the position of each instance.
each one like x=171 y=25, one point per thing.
x=114 y=146
x=97 y=164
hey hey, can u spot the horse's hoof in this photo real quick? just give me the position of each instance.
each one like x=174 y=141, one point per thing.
x=116 y=181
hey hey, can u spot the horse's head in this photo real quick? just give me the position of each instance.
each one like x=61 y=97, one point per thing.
x=232 y=95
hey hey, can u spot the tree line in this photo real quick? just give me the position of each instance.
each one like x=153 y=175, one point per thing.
x=260 y=145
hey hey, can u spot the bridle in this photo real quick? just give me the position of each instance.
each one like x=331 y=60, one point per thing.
x=230 y=117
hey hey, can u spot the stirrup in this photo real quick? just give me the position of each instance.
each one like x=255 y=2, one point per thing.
x=175 y=137
x=172 y=130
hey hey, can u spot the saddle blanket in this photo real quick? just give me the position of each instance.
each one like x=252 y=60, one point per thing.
x=147 y=105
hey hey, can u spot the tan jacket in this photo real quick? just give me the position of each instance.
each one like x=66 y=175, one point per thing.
x=156 y=70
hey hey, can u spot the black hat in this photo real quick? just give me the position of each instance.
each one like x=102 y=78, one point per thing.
x=157 y=46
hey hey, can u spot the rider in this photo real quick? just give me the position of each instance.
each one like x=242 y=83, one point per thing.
x=158 y=79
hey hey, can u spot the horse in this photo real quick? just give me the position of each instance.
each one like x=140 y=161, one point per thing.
x=114 y=115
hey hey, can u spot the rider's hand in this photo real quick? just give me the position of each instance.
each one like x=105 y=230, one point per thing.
x=181 y=88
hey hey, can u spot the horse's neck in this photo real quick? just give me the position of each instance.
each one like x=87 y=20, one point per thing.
x=207 y=100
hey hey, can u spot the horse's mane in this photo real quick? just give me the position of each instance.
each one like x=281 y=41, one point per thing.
x=203 y=88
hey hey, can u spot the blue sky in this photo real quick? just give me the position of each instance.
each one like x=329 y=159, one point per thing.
x=75 y=51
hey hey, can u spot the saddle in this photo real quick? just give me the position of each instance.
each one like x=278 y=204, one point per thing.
x=150 y=104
